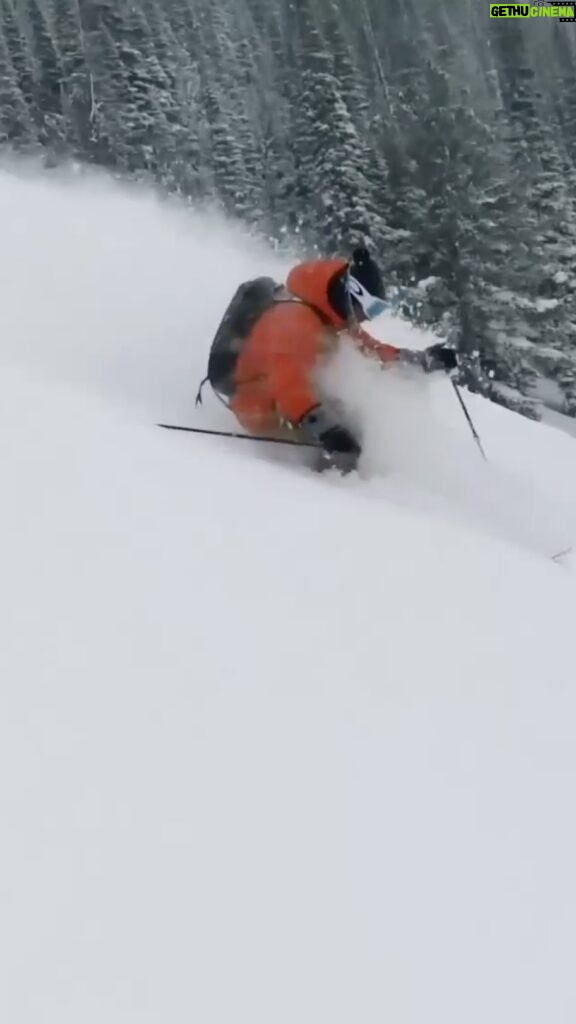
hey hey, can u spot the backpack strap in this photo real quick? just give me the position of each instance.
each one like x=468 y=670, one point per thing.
x=200 y=389
x=199 y=400
x=315 y=309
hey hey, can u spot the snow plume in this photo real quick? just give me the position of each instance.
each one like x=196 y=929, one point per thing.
x=109 y=287
x=421 y=458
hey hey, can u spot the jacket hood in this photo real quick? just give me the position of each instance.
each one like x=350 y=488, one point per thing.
x=310 y=283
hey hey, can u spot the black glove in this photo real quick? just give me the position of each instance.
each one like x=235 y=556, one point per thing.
x=439 y=357
x=341 y=449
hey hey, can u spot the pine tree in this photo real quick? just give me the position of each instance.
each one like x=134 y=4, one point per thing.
x=229 y=172
x=564 y=86
x=130 y=88
x=534 y=143
x=19 y=52
x=76 y=84
x=175 y=47
x=48 y=80
x=330 y=178
x=16 y=129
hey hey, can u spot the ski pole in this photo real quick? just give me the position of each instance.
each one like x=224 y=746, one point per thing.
x=469 y=420
x=238 y=437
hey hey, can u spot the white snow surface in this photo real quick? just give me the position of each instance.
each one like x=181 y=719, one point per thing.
x=274 y=747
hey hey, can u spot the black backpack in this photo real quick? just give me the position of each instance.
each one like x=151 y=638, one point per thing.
x=251 y=300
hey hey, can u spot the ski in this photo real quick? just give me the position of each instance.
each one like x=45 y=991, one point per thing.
x=237 y=436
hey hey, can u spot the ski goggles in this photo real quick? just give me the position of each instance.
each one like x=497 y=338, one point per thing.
x=371 y=305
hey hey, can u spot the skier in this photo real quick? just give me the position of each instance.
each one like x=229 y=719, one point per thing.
x=272 y=339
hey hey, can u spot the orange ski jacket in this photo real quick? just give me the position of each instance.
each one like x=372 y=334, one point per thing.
x=274 y=373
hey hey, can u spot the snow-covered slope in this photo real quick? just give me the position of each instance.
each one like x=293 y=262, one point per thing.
x=273 y=747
